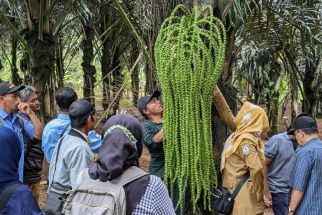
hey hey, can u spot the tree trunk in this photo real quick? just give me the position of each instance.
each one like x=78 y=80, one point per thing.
x=14 y=44
x=135 y=81
x=42 y=66
x=105 y=67
x=151 y=80
x=42 y=58
x=59 y=63
x=88 y=68
x=310 y=91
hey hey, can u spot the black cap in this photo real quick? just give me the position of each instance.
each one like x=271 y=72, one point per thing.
x=80 y=110
x=8 y=88
x=143 y=101
x=303 y=121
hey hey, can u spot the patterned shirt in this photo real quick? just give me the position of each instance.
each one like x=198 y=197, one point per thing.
x=155 y=200
x=306 y=177
x=150 y=129
x=55 y=129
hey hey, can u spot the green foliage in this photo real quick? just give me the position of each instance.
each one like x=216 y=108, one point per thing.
x=189 y=55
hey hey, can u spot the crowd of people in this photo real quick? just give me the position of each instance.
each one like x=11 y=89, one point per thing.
x=91 y=173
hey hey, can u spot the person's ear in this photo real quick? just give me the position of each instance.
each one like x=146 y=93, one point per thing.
x=146 y=112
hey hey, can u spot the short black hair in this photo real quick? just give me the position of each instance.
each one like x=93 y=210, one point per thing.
x=309 y=131
x=65 y=97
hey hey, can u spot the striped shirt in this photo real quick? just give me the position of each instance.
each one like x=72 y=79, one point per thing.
x=156 y=200
x=306 y=176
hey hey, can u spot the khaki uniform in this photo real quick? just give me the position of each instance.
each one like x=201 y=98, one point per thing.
x=249 y=200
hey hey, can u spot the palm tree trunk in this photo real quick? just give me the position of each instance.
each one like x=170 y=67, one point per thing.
x=135 y=81
x=88 y=68
x=59 y=63
x=42 y=59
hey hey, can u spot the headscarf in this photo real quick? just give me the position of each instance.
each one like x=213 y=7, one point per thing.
x=121 y=147
x=251 y=121
x=10 y=152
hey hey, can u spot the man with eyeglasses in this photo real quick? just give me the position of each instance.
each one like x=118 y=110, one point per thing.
x=305 y=179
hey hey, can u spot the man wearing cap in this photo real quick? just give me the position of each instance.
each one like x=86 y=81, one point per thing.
x=305 y=179
x=151 y=109
x=59 y=126
x=9 y=104
x=71 y=155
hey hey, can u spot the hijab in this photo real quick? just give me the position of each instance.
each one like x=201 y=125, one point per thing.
x=121 y=148
x=10 y=152
x=251 y=122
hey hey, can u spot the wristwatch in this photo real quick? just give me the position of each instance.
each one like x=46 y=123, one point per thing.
x=291 y=211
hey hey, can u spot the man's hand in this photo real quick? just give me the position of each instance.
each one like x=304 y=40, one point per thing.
x=268 y=198
x=25 y=108
x=158 y=138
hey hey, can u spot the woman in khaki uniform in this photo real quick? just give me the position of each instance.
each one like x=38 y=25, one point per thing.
x=243 y=152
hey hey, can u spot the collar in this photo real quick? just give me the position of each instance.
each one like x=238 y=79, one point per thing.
x=286 y=136
x=63 y=116
x=76 y=133
x=310 y=142
x=4 y=114
x=157 y=123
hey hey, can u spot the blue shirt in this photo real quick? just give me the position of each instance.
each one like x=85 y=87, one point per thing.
x=13 y=123
x=56 y=128
x=280 y=149
x=306 y=177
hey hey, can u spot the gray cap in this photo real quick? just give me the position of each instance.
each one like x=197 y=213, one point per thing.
x=143 y=101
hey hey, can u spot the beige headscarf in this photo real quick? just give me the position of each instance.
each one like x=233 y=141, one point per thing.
x=251 y=121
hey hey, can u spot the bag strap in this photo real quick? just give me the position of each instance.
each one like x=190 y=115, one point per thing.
x=58 y=145
x=240 y=185
x=5 y=196
x=129 y=175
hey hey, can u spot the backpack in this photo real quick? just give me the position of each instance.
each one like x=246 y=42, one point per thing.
x=100 y=198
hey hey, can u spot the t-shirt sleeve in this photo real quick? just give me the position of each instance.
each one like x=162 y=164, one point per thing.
x=271 y=148
x=49 y=140
x=148 y=135
x=78 y=160
x=96 y=141
x=248 y=151
x=301 y=172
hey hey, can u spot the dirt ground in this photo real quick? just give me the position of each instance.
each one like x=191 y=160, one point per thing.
x=144 y=163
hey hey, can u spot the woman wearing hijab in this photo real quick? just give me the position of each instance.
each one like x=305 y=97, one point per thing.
x=244 y=153
x=121 y=149
x=18 y=201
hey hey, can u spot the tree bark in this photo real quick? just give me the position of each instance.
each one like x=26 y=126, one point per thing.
x=135 y=81
x=59 y=63
x=88 y=68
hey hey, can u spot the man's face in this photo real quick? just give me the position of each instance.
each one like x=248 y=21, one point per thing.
x=154 y=107
x=10 y=102
x=33 y=102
